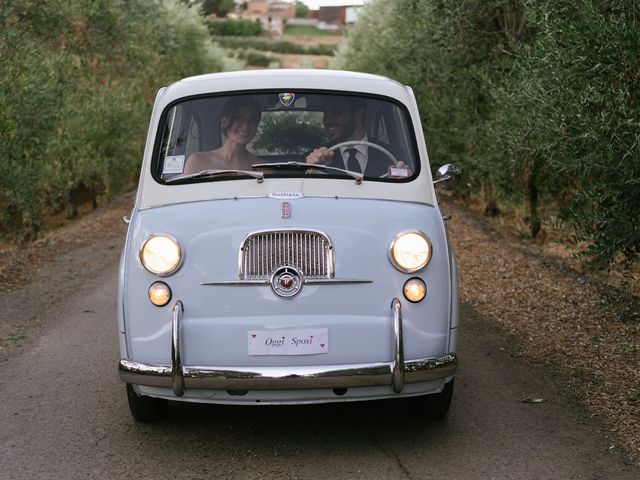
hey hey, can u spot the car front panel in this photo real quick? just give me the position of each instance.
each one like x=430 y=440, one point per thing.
x=219 y=311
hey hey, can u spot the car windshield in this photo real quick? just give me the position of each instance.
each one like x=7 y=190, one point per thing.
x=276 y=134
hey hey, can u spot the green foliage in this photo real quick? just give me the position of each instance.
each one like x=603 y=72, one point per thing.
x=286 y=133
x=306 y=30
x=219 y=8
x=12 y=339
x=537 y=101
x=277 y=46
x=256 y=59
x=78 y=81
x=301 y=9
x=586 y=110
x=235 y=28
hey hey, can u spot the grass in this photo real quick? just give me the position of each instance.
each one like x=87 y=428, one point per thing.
x=13 y=338
x=306 y=30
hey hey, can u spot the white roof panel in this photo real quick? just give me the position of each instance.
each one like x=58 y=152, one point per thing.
x=285 y=79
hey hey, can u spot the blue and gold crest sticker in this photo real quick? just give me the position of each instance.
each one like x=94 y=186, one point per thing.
x=287 y=99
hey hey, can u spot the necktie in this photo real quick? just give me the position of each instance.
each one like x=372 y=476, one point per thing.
x=352 y=163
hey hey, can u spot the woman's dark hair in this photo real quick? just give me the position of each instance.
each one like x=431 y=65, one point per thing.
x=231 y=108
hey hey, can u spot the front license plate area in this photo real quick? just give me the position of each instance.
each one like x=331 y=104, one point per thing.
x=299 y=341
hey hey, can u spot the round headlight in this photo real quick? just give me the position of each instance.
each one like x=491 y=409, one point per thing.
x=161 y=255
x=410 y=251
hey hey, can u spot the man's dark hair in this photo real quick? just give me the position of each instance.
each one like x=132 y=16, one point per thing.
x=354 y=103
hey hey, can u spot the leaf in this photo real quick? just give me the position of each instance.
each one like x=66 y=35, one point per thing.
x=14 y=338
x=533 y=400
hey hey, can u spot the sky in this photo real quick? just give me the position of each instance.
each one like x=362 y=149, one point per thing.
x=314 y=4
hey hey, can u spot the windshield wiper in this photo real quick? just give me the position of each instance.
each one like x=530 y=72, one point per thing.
x=356 y=175
x=215 y=173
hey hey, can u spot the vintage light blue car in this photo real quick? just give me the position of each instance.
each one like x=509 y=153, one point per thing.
x=286 y=246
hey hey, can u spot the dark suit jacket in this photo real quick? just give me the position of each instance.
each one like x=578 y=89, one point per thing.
x=378 y=163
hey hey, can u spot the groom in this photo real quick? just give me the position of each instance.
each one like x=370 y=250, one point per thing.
x=344 y=121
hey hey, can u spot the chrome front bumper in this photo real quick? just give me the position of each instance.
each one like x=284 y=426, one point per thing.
x=178 y=377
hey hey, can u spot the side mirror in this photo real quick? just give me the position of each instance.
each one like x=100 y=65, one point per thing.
x=448 y=176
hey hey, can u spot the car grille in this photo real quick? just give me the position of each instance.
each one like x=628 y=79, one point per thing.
x=309 y=251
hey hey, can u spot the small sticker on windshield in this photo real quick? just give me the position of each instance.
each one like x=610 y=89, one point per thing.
x=173 y=164
x=287 y=99
x=398 y=172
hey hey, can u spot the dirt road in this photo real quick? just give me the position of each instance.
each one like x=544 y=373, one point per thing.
x=64 y=412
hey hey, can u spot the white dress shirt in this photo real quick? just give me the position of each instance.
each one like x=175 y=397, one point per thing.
x=361 y=153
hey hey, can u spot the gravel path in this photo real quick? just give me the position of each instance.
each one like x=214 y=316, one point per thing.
x=587 y=330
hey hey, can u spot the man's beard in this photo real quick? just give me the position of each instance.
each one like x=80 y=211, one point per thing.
x=346 y=132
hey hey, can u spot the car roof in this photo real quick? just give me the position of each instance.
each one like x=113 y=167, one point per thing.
x=285 y=80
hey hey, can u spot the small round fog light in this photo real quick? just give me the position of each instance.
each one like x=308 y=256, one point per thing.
x=159 y=294
x=415 y=290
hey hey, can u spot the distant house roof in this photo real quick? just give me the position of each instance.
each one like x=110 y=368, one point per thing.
x=273 y=14
x=271 y=7
x=338 y=16
x=333 y=15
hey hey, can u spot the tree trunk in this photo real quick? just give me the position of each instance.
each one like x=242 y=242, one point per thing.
x=531 y=191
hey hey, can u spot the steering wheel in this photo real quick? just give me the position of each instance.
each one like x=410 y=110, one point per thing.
x=368 y=144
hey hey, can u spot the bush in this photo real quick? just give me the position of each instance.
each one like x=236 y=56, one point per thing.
x=579 y=83
x=538 y=102
x=255 y=59
x=283 y=133
x=235 y=28
x=76 y=91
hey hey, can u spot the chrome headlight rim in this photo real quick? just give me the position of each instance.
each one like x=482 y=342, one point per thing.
x=395 y=241
x=180 y=252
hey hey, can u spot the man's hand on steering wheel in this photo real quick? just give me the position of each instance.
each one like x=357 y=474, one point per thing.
x=400 y=170
x=324 y=156
x=320 y=156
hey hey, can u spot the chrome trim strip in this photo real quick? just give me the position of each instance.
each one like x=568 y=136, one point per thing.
x=253 y=197
x=233 y=283
x=423 y=370
x=177 y=373
x=150 y=371
x=310 y=281
x=334 y=281
x=288 y=378
x=398 y=348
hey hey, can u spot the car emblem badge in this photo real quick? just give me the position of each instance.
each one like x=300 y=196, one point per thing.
x=287 y=99
x=286 y=281
x=285 y=211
